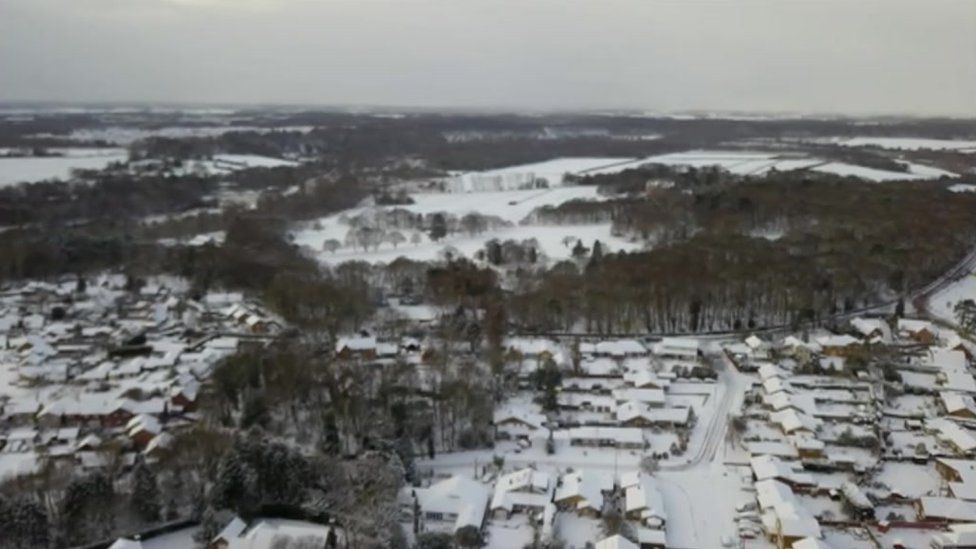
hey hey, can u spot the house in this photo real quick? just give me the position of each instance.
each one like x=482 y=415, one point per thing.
x=616 y=348
x=525 y=490
x=642 y=500
x=958 y=405
x=959 y=439
x=872 y=329
x=583 y=492
x=681 y=348
x=921 y=331
x=960 y=477
x=360 y=347
x=653 y=398
x=837 y=345
x=639 y=414
x=142 y=429
x=956 y=536
x=613 y=437
x=945 y=509
x=449 y=505
x=264 y=533
x=517 y=423
x=767 y=467
x=615 y=542
x=784 y=518
x=230 y=532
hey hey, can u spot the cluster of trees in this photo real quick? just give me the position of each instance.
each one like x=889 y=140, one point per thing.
x=60 y=507
x=784 y=249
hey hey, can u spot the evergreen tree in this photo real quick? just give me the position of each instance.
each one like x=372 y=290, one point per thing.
x=145 y=493
x=28 y=526
x=209 y=526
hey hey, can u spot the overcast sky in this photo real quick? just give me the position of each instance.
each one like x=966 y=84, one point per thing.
x=843 y=56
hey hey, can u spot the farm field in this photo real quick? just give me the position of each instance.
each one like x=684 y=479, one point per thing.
x=32 y=169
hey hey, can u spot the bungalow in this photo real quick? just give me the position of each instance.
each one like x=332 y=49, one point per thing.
x=957 y=536
x=526 y=490
x=681 y=348
x=638 y=414
x=613 y=437
x=959 y=439
x=653 y=398
x=960 y=477
x=791 y=421
x=945 y=509
x=583 y=492
x=517 y=423
x=769 y=467
x=872 y=329
x=645 y=379
x=958 y=405
x=642 y=500
x=784 y=517
x=837 y=345
x=361 y=347
x=921 y=331
x=615 y=542
x=448 y=505
x=617 y=348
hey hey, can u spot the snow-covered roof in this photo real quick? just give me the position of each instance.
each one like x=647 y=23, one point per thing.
x=869 y=327
x=957 y=402
x=356 y=344
x=615 y=542
x=948 y=509
x=457 y=495
x=587 y=485
x=620 y=435
x=843 y=340
x=951 y=432
x=784 y=512
x=526 y=487
x=770 y=467
x=645 y=496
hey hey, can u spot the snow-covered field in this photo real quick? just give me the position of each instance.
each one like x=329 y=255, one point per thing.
x=228 y=163
x=31 y=169
x=941 y=304
x=915 y=171
x=758 y=163
x=510 y=206
x=552 y=171
x=907 y=143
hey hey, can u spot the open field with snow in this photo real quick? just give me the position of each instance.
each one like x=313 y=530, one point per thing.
x=32 y=169
x=906 y=143
x=510 y=206
x=759 y=163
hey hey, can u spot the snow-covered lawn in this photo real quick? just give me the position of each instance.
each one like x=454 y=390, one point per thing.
x=32 y=169
x=942 y=303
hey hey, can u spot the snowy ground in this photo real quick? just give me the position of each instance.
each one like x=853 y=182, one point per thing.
x=758 y=163
x=511 y=206
x=32 y=169
x=906 y=143
x=941 y=303
x=550 y=170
